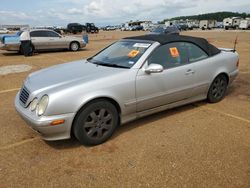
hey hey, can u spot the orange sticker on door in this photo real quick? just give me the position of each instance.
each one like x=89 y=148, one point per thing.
x=174 y=52
x=133 y=53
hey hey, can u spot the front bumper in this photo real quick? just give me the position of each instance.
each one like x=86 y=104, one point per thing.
x=42 y=124
x=82 y=45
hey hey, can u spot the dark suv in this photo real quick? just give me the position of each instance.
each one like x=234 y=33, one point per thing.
x=75 y=28
x=91 y=28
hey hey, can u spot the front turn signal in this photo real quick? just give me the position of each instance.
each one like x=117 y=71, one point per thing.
x=57 y=122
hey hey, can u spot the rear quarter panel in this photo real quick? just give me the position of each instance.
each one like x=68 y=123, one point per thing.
x=206 y=70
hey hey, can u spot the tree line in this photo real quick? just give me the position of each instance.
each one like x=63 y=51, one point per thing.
x=219 y=16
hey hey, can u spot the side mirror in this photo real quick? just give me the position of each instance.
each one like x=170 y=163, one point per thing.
x=154 y=68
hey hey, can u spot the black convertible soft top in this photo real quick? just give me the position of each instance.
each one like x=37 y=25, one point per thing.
x=164 y=39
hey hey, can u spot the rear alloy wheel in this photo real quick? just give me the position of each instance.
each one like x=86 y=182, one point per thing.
x=217 y=89
x=96 y=123
x=74 y=46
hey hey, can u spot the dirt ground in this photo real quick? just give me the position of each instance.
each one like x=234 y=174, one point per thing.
x=198 y=145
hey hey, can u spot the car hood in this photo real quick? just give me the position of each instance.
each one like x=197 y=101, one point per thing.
x=68 y=74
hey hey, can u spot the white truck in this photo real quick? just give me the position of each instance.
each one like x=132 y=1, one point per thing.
x=231 y=23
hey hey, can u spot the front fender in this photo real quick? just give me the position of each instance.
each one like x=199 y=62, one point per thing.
x=70 y=99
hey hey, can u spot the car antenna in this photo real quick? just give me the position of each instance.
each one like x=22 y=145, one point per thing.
x=235 y=43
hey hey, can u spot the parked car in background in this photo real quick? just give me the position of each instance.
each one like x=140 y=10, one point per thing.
x=137 y=28
x=110 y=28
x=43 y=39
x=182 y=26
x=131 y=78
x=166 y=30
x=4 y=31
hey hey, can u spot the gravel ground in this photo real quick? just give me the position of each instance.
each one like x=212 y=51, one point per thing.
x=198 y=145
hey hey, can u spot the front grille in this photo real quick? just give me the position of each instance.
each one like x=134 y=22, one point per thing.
x=24 y=95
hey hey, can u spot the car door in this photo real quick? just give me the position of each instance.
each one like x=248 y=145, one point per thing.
x=203 y=67
x=55 y=41
x=173 y=84
x=39 y=39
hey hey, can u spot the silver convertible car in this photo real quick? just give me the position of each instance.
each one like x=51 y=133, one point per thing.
x=43 y=39
x=129 y=79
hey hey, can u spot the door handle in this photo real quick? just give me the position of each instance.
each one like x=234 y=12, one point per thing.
x=189 y=71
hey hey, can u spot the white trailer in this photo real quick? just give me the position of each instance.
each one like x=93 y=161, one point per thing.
x=147 y=25
x=171 y=22
x=231 y=23
x=207 y=24
x=245 y=24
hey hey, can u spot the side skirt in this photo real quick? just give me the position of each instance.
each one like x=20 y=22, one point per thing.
x=138 y=115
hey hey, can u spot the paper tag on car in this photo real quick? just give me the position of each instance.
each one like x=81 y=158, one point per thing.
x=141 y=45
x=174 y=52
x=133 y=53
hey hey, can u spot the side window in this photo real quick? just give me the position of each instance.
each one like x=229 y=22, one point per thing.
x=51 y=34
x=170 y=55
x=195 y=53
x=38 y=34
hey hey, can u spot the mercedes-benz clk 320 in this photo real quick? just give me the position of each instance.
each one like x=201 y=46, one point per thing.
x=129 y=79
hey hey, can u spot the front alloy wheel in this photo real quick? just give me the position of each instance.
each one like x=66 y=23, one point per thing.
x=74 y=46
x=96 y=122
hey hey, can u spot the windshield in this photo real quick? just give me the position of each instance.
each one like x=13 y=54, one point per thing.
x=122 y=54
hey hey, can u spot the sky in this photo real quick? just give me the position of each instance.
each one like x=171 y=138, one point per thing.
x=108 y=12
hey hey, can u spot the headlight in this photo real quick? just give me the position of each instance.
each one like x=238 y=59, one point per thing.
x=33 y=104
x=42 y=105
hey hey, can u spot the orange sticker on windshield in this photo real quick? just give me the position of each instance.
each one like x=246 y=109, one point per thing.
x=133 y=53
x=174 y=52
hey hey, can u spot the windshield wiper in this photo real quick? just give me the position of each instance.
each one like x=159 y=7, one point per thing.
x=110 y=65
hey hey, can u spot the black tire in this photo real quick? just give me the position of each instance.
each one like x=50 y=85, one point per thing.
x=74 y=46
x=96 y=122
x=20 y=50
x=32 y=49
x=217 y=89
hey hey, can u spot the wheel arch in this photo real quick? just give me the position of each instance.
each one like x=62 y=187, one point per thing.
x=21 y=50
x=79 y=45
x=221 y=73
x=109 y=99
